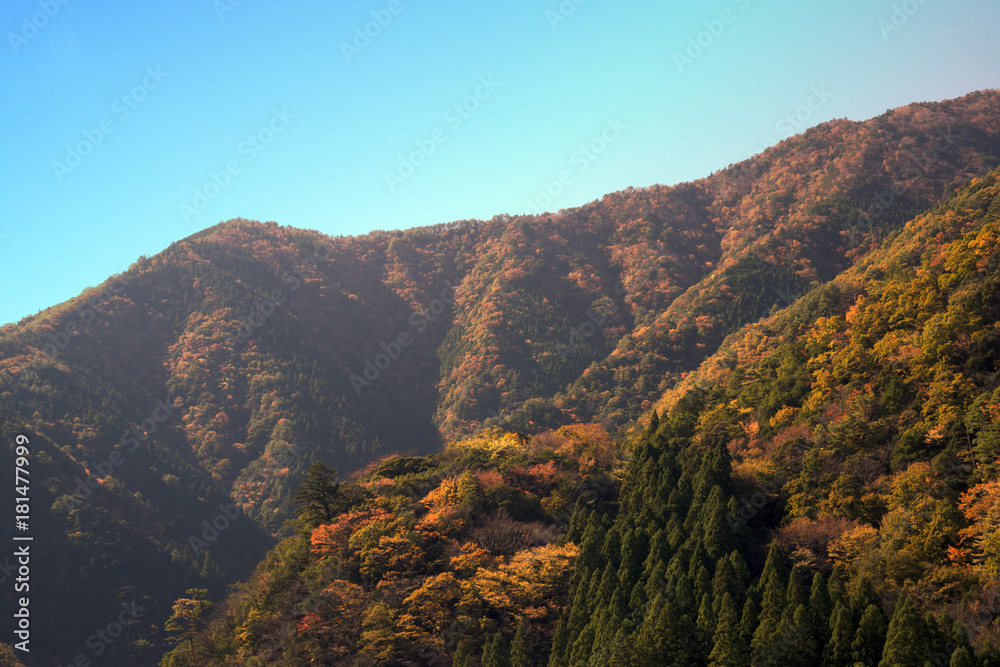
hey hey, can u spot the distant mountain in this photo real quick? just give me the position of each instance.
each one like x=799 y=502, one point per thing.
x=173 y=410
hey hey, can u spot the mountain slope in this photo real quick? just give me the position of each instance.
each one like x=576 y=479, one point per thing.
x=217 y=371
x=823 y=490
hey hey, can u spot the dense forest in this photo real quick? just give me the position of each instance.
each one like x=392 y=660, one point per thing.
x=823 y=491
x=816 y=325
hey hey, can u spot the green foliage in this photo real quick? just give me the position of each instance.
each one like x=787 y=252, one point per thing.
x=318 y=496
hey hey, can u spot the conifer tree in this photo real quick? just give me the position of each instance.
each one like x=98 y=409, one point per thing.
x=702 y=582
x=558 y=645
x=728 y=647
x=864 y=595
x=666 y=639
x=741 y=571
x=612 y=548
x=905 y=640
x=520 y=652
x=749 y=620
x=577 y=522
x=580 y=651
x=462 y=652
x=632 y=558
x=837 y=586
x=774 y=596
x=796 y=592
x=869 y=639
x=838 y=651
x=725 y=581
x=960 y=636
x=962 y=657
x=499 y=653
x=803 y=649
x=990 y=656
x=706 y=617
x=318 y=496
x=719 y=539
x=820 y=609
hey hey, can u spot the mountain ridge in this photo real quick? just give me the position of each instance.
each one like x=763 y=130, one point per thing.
x=586 y=315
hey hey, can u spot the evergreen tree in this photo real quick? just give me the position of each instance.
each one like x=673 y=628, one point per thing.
x=870 y=637
x=837 y=586
x=774 y=596
x=905 y=641
x=706 y=617
x=632 y=556
x=498 y=653
x=719 y=539
x=187 y=621
x=462 y=653
x=820 y=609
x=796 y=593
x=728 y=647
x=960 y=636
x=318 y=496
x=520 y=651
x=558 y=645
x=725 y=581
x=749 y=620
x=838 y=651
x=990 y=656
x=962 y=658
x=864 y=596
x=580 y=651
x=741 y=571
x=667 y=639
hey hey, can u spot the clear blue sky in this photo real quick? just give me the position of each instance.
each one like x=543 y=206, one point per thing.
x=199 y=78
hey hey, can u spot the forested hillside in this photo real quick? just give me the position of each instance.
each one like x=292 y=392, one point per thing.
x=174 y=410
x=821 y=491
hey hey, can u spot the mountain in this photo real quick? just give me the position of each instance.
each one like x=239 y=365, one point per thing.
x=173 y=410
x=821 y=490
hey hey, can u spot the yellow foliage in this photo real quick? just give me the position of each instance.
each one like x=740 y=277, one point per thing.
x=470 y=558
x=528 y=584
x=854 y=546
x=785 y=415
x=498 y=447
